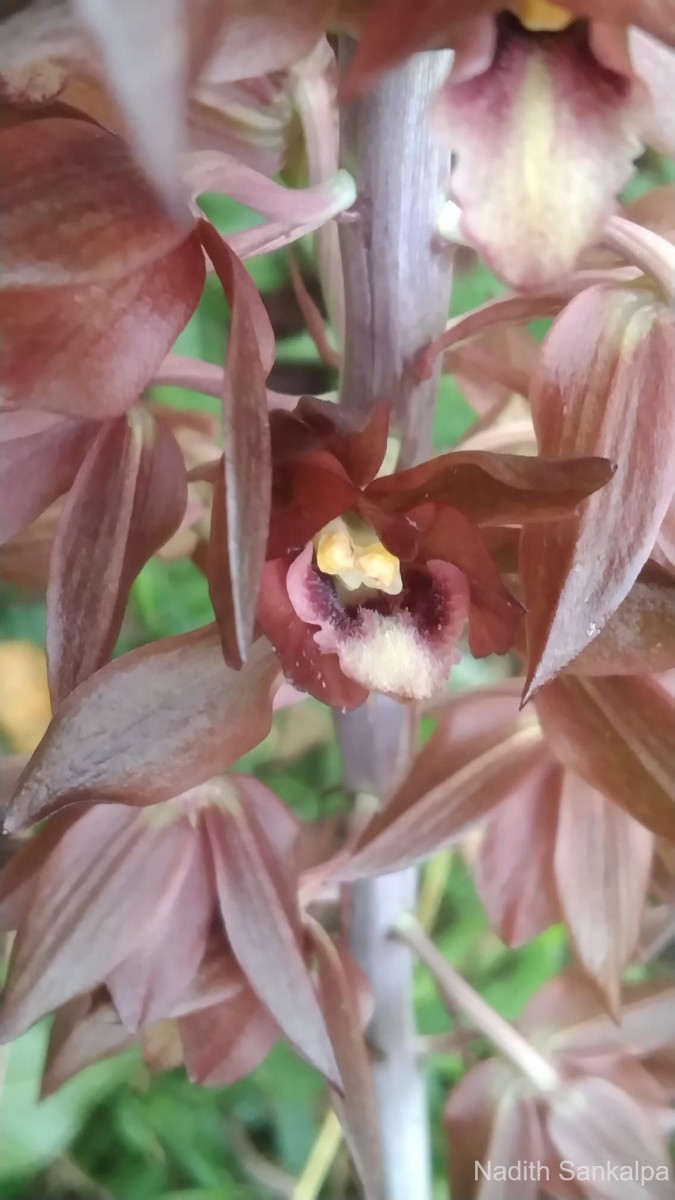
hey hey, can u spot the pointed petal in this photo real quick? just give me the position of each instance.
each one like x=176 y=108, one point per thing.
x=227 y=1041
x=39 y=458
x=618 y=734
x=60 y=177
x=602 y=866
x=107 y=883
x=143 y=49
x=113 y=740
x=513 y=871
x=412 y=826
x=261 y=918
x=248 y=467
x=502 y=489
x=607 y=347
x=147 y=984
x=128 y=499
x=545 y=139
x=357 y=1109
x=85 y=1030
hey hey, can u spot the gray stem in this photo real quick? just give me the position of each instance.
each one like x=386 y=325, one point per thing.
x=397 y=274
x=397 y=294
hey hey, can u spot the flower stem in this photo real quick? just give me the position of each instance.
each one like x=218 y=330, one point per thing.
x=398 y=277
x=460 y=995
x=397 y=272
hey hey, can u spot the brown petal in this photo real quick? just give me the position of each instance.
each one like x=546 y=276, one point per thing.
x=105 y=886
x=495 y=489
x=357 y=1109
x=148 y=726
x=413 y=826
x=594 y=1122
x=148 y=983
x=61 y=176
x=248 y=468
x=225 y=1042
x=39 y=458
x=259 y=906
x=468 y=1120
x=602 y=866
x=608 y=347
x=90 y=349
x=85 y=1031
x=617 y=733
x=128 y=499
x=514 y=867
x=19 y=877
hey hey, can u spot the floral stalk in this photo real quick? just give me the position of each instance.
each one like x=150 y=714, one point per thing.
x=397 y=293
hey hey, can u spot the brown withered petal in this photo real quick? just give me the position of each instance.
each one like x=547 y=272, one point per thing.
x=357 y=1108
x=225 y=1042
x=259 y=907
x=148 y=983
x=601 y=388
x=513 y=870
x=617 y=733
x=58 y=174
x=85 y=1030
x=495 y=489
x=39 y=458
x=592 y=1121
x=247 y=462
x=89 y=350
x=148 y=726
x=106 y=885
x=127 y=500
x=408 y=830
x=602 y=865
x=640 y=636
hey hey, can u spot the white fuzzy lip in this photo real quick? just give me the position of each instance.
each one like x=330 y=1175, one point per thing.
x=389 y=655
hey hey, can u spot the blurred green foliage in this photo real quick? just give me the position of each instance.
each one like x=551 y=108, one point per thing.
x=115 y=1132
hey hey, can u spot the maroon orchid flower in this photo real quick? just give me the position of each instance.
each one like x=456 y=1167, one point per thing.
x=369 y=579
